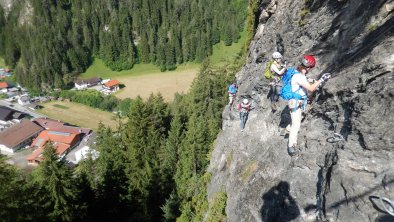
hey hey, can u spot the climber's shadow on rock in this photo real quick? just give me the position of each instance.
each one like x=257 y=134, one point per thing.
x=278 y=205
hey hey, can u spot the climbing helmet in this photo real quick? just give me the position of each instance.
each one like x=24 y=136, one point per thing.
x=308 y=61
x=276 y=55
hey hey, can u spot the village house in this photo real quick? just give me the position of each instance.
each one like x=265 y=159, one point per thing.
x=4 y=72
x=56 y=125
x=86 y=83
x=4 y=87
x=111 y=86
x=63 y=142
x=84 y=149
x=24 y=100
x=7 y=115
x=18 y=136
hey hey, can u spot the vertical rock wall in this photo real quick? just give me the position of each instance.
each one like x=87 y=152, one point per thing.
x=328 y=181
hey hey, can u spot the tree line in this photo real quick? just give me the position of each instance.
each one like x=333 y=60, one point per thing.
x=151 y=168
x=49 y=42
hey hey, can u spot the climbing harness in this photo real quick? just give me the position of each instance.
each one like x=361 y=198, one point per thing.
x=388 y=205
x=336 y=138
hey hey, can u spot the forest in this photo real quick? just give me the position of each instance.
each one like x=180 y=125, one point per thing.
x=151 y=168
x=48 y=43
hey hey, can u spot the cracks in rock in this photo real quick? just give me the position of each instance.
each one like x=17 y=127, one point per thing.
x=346 y=128
x=279 y=44
x=324 y=182
x=363 y=83
x=326 y=119
x=345 y=193
x=361 y=141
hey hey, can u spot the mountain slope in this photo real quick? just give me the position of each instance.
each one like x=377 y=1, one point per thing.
x=329 y=181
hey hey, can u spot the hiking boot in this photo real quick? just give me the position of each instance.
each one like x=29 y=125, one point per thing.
x=291 y=150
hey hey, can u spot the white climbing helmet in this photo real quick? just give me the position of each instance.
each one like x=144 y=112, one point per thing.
x=276 y=55
x=245 y=101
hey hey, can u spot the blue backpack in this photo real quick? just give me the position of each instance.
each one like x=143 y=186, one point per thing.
x=286 y=93
x=232 y=89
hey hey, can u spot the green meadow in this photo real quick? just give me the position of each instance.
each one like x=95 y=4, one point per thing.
x=221 y=55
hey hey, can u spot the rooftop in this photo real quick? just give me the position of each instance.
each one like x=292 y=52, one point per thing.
x=111 y=83
x=18 y=133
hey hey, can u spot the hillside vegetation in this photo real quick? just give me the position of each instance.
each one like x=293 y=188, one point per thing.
x=150 y=168
x=2 y=64
x=48 y=42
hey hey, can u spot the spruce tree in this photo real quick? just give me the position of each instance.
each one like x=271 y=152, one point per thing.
x=56 y=187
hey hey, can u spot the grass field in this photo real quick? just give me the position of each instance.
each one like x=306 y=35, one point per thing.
x=78 y=114
x=144 y=79
x=99 y=69
x=223 y=54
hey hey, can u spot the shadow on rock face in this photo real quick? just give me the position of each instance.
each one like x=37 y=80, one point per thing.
x=285 y=118
x=278 y=205
x=385 y=218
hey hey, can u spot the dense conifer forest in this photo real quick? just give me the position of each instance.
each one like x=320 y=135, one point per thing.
x=152 y=168
x=49 y=42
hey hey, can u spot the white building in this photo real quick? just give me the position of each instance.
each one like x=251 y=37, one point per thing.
x=24 y=100
x=84 y=152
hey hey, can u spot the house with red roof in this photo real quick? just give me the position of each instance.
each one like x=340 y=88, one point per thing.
x=4 y=87
x=62 y=141
x=57 y=125
x=111 y=86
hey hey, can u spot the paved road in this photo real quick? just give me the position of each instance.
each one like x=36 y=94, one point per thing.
x=20 y=108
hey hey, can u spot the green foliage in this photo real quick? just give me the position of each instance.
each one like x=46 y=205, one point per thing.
x=61 y=38
x=171 y=208
x=304 y=12
x=373 y=26
x=217 y=208
x=2 y=28
x=56 y=190
x=251 y=21
x=151 y=168
x=124 y=106
x=92 y=98
x=3 y=96
x=13 y=193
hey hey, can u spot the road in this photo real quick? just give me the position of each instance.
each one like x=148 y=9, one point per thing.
x=17 y=107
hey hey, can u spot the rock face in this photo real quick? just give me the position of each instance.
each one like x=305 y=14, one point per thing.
x=330 y=180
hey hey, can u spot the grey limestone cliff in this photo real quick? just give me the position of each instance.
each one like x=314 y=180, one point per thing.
x=328 y=181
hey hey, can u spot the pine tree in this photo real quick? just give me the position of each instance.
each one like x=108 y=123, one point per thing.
x=56 y=188
x=14 y=196
x=109 y=180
